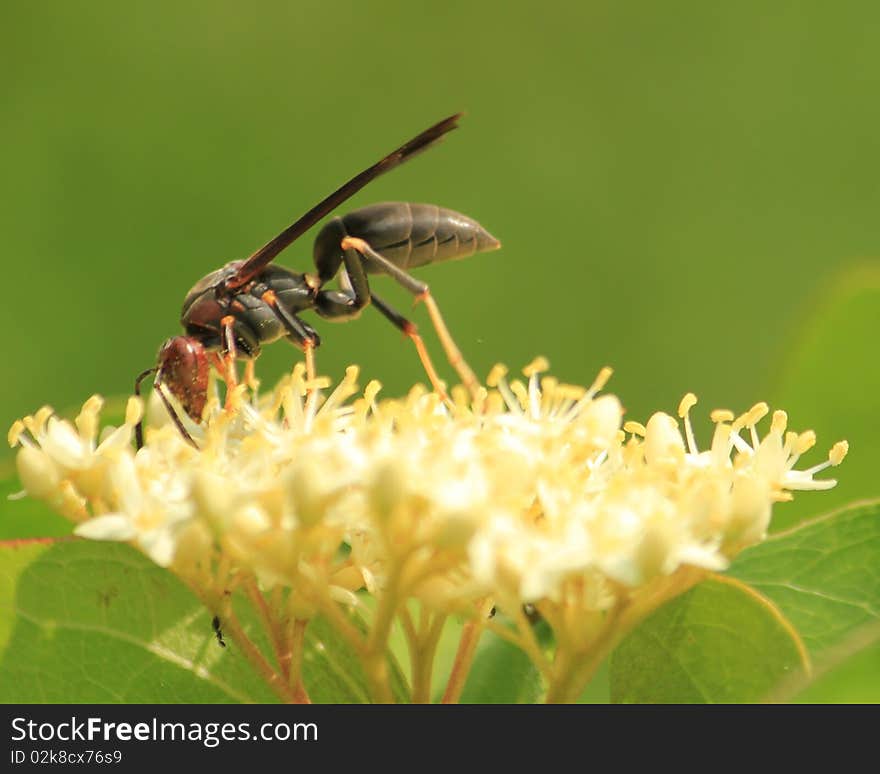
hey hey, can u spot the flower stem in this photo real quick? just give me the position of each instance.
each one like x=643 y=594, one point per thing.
x=423 y=649
x=269 y=624
x=375 y=657
x=221 y=604
x=464 y=656
x=297 y=647
x=272 y=677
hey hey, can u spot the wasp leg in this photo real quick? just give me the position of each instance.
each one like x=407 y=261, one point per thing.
x=410 y=330
x=301 y=334
x=230 y=354
x=250 y=377
x=237 y=339
x=347 y=303
x=420 y=290
x=355 y=295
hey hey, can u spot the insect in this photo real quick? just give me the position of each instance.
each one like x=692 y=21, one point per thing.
x=218 y=631
x=232 y=312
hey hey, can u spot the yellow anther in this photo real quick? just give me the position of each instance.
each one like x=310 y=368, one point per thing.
x=42 y=416
x=805 y=442
x=37 y=423
x=838 y=452
x=494 y=403
x=497 y=373
x=636 y=428
x=372 y=390
x=758 y=412
x=549 y=385
x=92 y=405
x=740 y=422
x=538 y=365
x=15 y=432
x=779 y=423
x=570 y=391
x=601 y=380
x=134 y=410
x=722 y=415
x=522 y=394
x=480 y=399
x=461 y=398
x=687 y=403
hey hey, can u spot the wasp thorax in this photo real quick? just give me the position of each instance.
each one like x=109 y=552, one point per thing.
x=183 y=369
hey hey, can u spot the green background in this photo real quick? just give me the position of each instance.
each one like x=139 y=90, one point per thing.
x=685 y=191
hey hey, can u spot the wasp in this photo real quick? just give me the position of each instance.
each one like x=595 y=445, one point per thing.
x=232 y=312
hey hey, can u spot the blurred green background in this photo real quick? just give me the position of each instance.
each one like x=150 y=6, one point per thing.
x=685 y=191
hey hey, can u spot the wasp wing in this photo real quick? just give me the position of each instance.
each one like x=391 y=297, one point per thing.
x=262 y=257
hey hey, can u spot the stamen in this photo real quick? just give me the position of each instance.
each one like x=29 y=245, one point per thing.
x=15 y=432
x=598 y=384
x=600 y=381
x=779 y=422
x=344 y=390
x=461 y=398
x=87 y=420
x=805 y=442
x=838 y=452
x=721 y=442
x=636 y=428
x=513 y=405
x=496 y=375
x=835 y=457
x=371 y=391
x=480 y=399
x=522 y=394
x=684 y=412
x=534 y=396
x=537 y=366
x=751 y=418
x=134 y=411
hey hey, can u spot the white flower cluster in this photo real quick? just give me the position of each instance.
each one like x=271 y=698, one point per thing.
x=533 y=493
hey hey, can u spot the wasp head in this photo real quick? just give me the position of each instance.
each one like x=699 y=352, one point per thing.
x=183 y=369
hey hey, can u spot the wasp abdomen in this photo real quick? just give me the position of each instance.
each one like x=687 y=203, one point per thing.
x=408 y=235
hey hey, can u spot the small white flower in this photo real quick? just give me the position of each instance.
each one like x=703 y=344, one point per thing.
x=532 y=493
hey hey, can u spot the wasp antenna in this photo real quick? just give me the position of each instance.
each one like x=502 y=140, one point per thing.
x=139 y=427
x=173 y=414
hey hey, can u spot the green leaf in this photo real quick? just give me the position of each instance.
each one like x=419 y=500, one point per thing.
x=332 y=672
x=848 y=672
x=716 y=643
x=830 y=382
x=96 y=622
x=501 y=674
x=823 y=575
x=719 y=643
